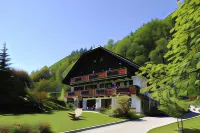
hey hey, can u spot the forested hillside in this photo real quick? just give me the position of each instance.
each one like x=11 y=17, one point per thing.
x=147 y=43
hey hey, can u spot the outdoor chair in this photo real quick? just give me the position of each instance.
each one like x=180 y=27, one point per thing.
x=76 y=114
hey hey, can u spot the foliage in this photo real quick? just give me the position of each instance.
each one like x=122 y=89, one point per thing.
x=4 y=65
x=132 y=115
x=25 y=128
x=180 y=75
x=40 y=96
x=23 y=77
x=44 y=73
x=138 y=45
x=122 y=111
x=123 y=105
x=110 y=44
x=59 y=120
x=70 y=106
x=102 y=110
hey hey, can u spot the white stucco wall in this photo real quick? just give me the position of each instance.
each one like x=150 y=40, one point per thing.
x=133 y=102
x=113 y=102
x=98 y=103
x=84 y=104
x=136 y=103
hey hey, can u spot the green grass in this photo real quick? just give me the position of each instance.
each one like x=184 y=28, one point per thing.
x=59 y=120
x=190 y=126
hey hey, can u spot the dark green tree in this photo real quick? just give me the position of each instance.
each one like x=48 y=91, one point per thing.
x=4 y=60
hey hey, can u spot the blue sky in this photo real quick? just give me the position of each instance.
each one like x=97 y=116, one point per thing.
x=41 y=32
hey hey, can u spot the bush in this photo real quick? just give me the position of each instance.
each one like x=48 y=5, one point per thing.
x=132 y=115
x=70 y=106
x=4 y=129
x=102 y=110
x=25 y=128
x=45 y=128
x=59 y=102
x=110 y=112
x=122 y=106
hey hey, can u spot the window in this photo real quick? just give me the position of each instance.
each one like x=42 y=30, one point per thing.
x=130 y=82
x=125 y=83
x=102 y=86
x=78 y=88
x=118 y=84
x=108 y=85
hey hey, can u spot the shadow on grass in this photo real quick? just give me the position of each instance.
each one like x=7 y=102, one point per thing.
x=190 y=115
x=16 y=113
x=190 y=130
x=81 y=118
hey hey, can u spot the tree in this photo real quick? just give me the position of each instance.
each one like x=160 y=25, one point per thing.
x=4 y=65
x=180 y=75
x=23 y=77
x=44 y=73
x=156 y=55
x=110 y=44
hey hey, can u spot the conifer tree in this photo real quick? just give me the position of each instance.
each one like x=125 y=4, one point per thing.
x=4 y=60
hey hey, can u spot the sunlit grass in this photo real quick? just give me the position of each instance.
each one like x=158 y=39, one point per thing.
x=190 y=126
x=59 y=120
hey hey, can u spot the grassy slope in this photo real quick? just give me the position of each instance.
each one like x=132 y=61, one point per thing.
x=60 y=121
x=190 y=126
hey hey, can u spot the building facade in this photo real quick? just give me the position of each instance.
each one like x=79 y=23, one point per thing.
x=99 y=76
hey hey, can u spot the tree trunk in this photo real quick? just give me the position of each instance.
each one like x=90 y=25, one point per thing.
x=177 y=123
x=182 y=125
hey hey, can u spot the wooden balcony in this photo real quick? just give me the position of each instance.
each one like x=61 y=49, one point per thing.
x=100 y=75
x=128 y=90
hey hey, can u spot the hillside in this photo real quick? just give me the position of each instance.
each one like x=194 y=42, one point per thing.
x=147 y=43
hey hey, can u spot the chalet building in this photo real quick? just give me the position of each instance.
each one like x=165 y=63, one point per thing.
x=99 y=76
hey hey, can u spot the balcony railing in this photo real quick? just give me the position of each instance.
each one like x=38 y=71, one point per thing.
x=100 y=75
x=104 y=92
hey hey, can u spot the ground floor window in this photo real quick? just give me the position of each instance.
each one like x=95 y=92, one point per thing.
x=105 y=103
x=91 y=104
x=130 y=82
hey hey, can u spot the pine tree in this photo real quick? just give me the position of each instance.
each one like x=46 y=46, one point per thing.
x=4 y=65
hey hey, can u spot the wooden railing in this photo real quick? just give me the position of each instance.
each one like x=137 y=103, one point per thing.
x=104 y=92
x=100 y=75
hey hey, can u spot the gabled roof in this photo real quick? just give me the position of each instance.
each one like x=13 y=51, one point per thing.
x=108 y=51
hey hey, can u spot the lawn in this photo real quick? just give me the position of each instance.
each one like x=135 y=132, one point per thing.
x=190 y=126
x=59 y=120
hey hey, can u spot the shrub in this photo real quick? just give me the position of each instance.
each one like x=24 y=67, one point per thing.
x=45 y=128
x=102 y=110
x=59 y=102
x=122 y=106
x=132 y=115
x=4 y=128
x=70 y=106
x=110 y=112
x=40 y=96
x=25 y=128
